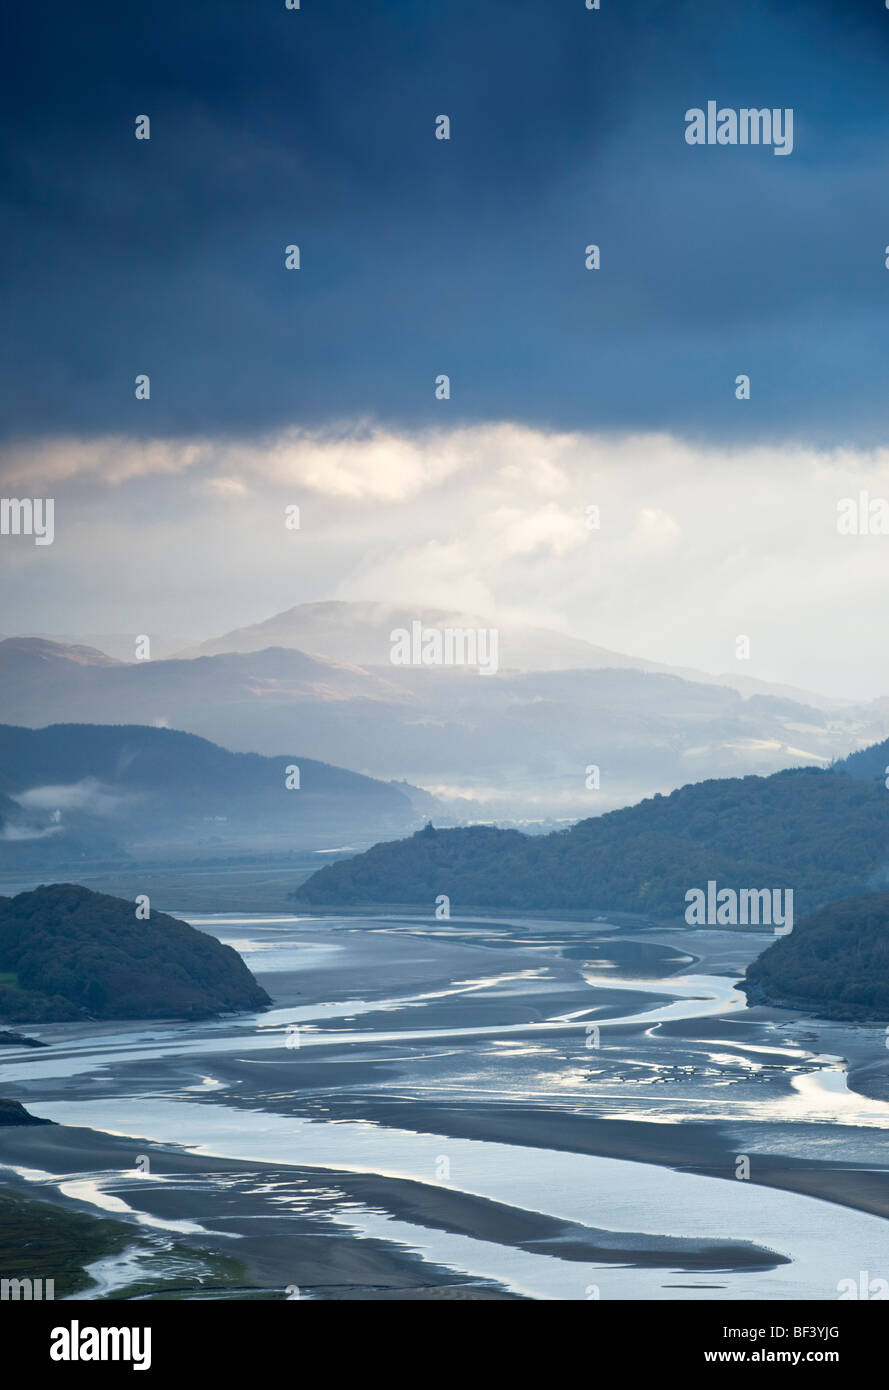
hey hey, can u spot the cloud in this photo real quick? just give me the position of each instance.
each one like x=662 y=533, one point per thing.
x=112 y=460
x=17 y=833
x=653 y=528
x=86 y=795
x=361 y=464
x=696 y=543
x=224 y=487
x=421 y=257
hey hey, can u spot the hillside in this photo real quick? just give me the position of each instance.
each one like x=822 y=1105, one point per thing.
x=870 y=764
x=834 y=964
x=510 y=746
x=80 y=791
x=68 y=953
x=821 y=833
x=360 y=632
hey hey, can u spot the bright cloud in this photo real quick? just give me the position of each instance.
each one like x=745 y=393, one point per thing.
x=696 y=544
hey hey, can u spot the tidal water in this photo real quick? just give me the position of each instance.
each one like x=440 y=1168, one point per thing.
x=402 y=1016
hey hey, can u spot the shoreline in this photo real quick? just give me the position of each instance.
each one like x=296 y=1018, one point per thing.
x=367 y=1267
x=460 y=1005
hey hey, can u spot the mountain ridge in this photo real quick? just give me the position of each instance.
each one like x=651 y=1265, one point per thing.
x=819 y=832
x=314 y=627
x=511 y=745
x=128 y=785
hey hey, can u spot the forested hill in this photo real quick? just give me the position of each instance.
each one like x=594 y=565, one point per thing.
x=834 y=964
x=820 y=832
x=75 y=792
x=69 y=953
x=871 y=764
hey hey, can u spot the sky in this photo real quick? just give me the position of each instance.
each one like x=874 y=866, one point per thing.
x=569 y=387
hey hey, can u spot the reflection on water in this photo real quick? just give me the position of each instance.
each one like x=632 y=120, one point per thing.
x=664 y=1048
x=822 y=1240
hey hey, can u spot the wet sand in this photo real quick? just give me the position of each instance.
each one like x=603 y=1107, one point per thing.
x=200 y=1189
x=473 y=1031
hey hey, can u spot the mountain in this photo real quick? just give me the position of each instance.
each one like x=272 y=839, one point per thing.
x=119 y=645
x=512 y=746
x=819 y=832
x=834 y=964
x=37 y=676
x=259 y=703
x=361 y=632
x=35 y=668
x=75 y=791
x=69 y=953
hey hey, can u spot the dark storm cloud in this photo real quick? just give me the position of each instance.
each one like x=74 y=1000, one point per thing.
x=421 y=256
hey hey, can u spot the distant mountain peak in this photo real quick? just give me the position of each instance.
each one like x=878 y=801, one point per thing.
x=358 y=632
x=45 y=647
